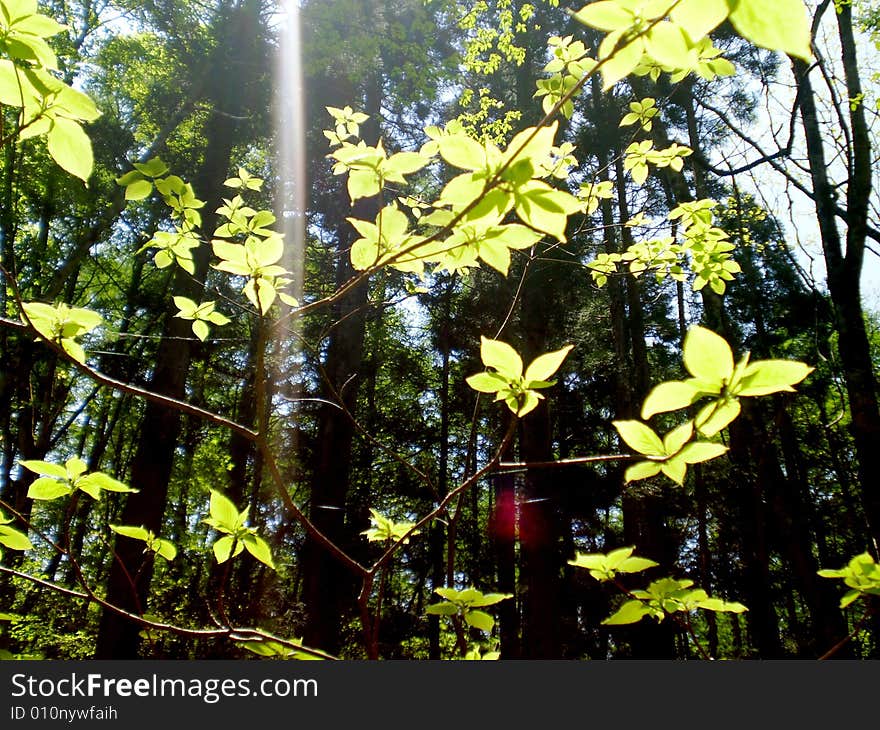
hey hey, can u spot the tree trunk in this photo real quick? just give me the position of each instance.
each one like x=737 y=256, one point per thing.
x=844 y=268
x=151 y=468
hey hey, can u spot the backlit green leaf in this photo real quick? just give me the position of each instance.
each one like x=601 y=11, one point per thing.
x=258 y=547
x=223 y=548
x=442 y=609
x=479 y=620
x=640 y=437
x=461 y=151
x=699 y=17
x=635 y=565
x=669 y=397
x=618 y=61
x=47 y=488
x=699 y=451
x=675 y=468
x=223 y=511
x=166 y=549
x=487 y=382
x=642 y=470
x=502 y=357
x=135 y=533
x=716 y=416
x=45 y=467
x=71 y=148
x=675 y=439
x=105 y=482
x=781 y=25
x=545 y=366
x=629 y=613
x=667 y=44
x=771 y=376
x=707 y=356
x=138 y=190
x=13 y=539
x=605 y=15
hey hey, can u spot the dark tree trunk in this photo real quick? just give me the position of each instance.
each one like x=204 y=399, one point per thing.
x=118 y=637
x=328 y=588
x=844 y=267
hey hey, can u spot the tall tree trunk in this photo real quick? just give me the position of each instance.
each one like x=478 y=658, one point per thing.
x=327 y=585
x=118 y=637
x=844 y=267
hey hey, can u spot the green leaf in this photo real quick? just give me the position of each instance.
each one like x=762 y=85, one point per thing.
x=74 y=467
x=529 y=402
x=545 y=208
x=200 y=329
x=635 y=565
x=224 y=512
x=781 y=25
x=667 y=44
x=590 y=561
x=461 y=151
x=642 y=470
x=623 y=61
x=450 y=594
x=138 y=190
x=13 y=539
x=629 y=613
x=47 y=488
x=669 y=396
x=675 y=468
x=41 y=26
x=71 y=148
x=502 y=357
x=678 y=437
x=45 y=468
x=699 y=17
x=363 y=184
x=488 y=599
x=153 y=167
x=771 y=376
x=135 y=533
x=640 y=437
x=487 y=382
x=617 y=556
x=717 y=604
x=479 y=620
x=223 y=548
x=89 y=488
x=545 y=366
x=533 y=144
x=105 y=482
x=699 y=451
x=605 y=15
x=258 y=547
x=442 y=609
x=166 y=549
x=707 y=356
x=716 y=416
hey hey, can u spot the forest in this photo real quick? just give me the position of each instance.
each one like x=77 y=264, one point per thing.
x=434 y=329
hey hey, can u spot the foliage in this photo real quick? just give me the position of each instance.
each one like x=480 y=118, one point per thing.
x=464 y=604
x=861 y=575
x=237 y=536
x=507 y=380
x=153 y=544
x=62 y=481
x=661 y=598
